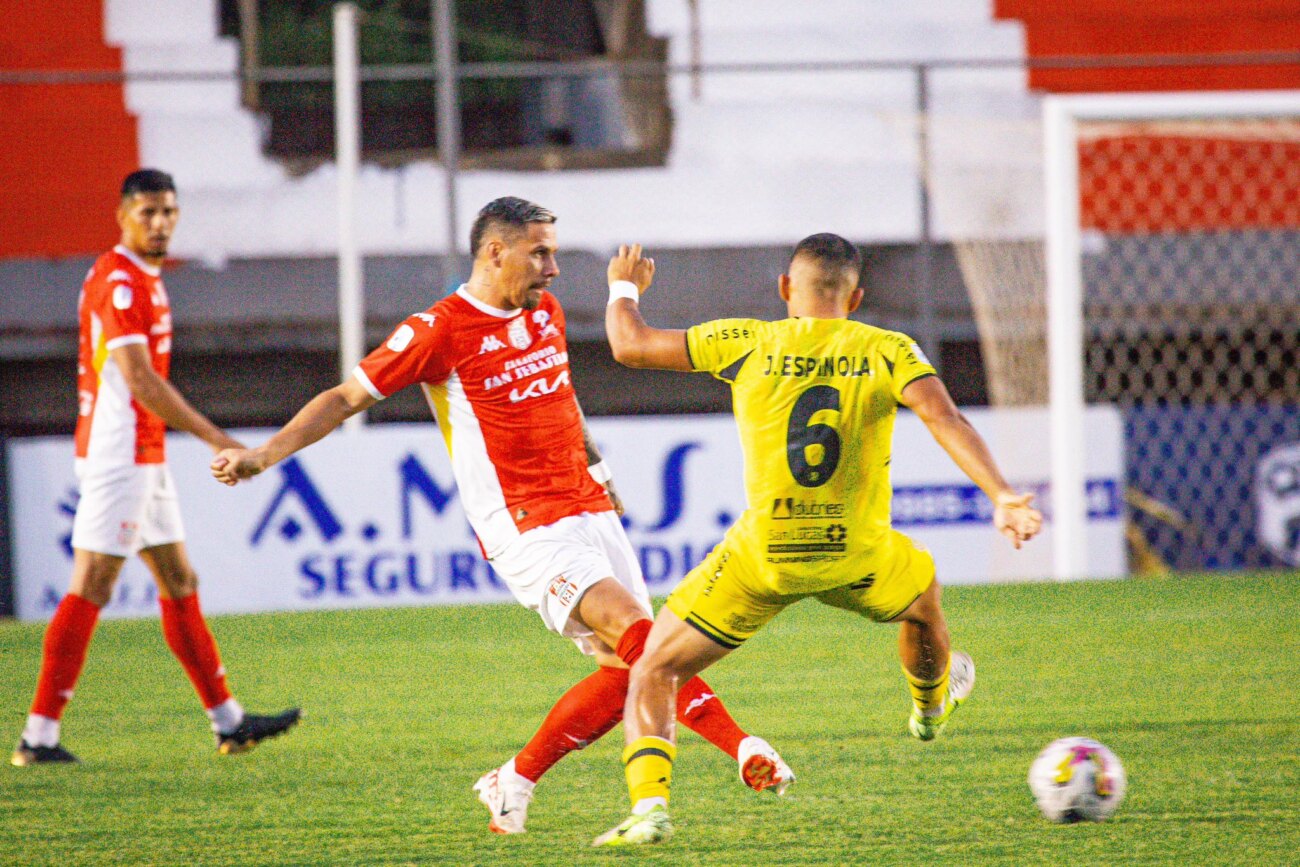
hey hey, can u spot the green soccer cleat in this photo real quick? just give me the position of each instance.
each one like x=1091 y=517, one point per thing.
x=652 y=827
x=961 y=683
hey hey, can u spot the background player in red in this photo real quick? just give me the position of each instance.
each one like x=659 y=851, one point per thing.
x=493 y=363
x=128 y=500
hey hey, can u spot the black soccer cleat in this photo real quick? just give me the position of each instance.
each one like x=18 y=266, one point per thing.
x=255 y=729
x=26 y=754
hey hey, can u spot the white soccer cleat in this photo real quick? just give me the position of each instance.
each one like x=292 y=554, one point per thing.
x=761 y=767
x=506 y=795
x=961 y=683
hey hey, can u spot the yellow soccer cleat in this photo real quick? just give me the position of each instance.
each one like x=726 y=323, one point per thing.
x=651 y=827
x=961 y=683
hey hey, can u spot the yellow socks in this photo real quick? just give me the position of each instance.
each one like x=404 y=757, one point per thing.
x=928 y=695
x=648 y=763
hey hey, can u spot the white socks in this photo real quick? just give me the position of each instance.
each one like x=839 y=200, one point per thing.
x=41 y=731
x=226 y=716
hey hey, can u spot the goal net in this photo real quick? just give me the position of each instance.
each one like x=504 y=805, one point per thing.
x=1174 y=293
x=1143 y=251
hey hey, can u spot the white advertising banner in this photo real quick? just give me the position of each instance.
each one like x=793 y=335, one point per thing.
x=373 y=518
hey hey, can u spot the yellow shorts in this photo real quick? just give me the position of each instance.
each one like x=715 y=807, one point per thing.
x=731 y=595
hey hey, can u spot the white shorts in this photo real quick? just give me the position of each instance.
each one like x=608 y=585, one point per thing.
x=125 y=509
x=549 y=568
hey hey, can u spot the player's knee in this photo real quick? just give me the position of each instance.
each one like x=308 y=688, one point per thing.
x=179 y=582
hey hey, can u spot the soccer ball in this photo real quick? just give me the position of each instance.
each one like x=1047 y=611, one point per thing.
x=1077 y=780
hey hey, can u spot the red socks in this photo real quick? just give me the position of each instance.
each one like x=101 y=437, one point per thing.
x=594 y=705
x=66 y=641
x=189 y=638
x=590 y=708
x=703 y=713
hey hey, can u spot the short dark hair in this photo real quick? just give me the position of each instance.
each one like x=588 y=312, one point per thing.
x=835 y=256
x=510 y=211
x=147 y=181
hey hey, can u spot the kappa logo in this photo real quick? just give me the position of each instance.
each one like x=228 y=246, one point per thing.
x=539 y=387
x=490 y=344
x=427 y=318
x=517 y=333
x=1277 y=500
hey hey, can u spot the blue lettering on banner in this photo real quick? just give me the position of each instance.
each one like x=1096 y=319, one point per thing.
x=674 y=487
x=941 y=505
x=661 y=564
x=381 y=574
x=294 y=481
x=415 y=479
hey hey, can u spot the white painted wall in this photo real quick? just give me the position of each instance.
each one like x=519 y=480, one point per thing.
x=760 y=158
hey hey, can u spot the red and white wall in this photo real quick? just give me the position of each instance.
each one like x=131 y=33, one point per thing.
x=757 y=158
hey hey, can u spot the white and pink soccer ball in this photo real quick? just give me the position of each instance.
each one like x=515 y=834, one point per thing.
x=1077 y=780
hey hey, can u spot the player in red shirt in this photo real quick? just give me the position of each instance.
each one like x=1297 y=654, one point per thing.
x=493 y=363
x=128 y=503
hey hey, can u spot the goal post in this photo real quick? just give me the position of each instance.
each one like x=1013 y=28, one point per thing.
x=1193 y=215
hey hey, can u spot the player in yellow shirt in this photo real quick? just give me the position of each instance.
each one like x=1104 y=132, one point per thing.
x=815 y=397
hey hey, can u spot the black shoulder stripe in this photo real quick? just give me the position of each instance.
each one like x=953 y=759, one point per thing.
x=731 y=371
x=917 y=378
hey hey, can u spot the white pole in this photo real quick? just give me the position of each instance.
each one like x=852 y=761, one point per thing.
x=1065 y=342
x=443 y=14
x=347 y=158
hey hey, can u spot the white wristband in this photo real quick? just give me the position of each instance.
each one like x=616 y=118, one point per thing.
x=600 y=471
x=623 y=289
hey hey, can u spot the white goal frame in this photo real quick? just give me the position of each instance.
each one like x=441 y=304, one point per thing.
x=1061 y=115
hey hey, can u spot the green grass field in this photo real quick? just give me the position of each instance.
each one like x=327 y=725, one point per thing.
x=1191 y=680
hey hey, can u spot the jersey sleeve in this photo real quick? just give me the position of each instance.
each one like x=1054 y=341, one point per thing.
x=716 y=345
x=905 y=361
x=125 y=310
x=418 y=350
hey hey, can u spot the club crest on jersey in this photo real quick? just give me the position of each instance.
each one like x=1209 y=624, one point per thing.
x=517 y=333
x=490 y=344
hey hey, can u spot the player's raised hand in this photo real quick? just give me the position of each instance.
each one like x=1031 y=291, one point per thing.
x=230 y=466
x=1015 y=518
x=628 y=264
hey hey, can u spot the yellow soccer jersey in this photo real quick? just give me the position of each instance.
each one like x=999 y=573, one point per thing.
x=815 y=401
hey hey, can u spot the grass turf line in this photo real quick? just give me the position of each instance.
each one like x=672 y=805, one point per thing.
x=1188 y=679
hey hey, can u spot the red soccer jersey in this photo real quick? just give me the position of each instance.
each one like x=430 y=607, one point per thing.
x=499 y=386
x=122 y=302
